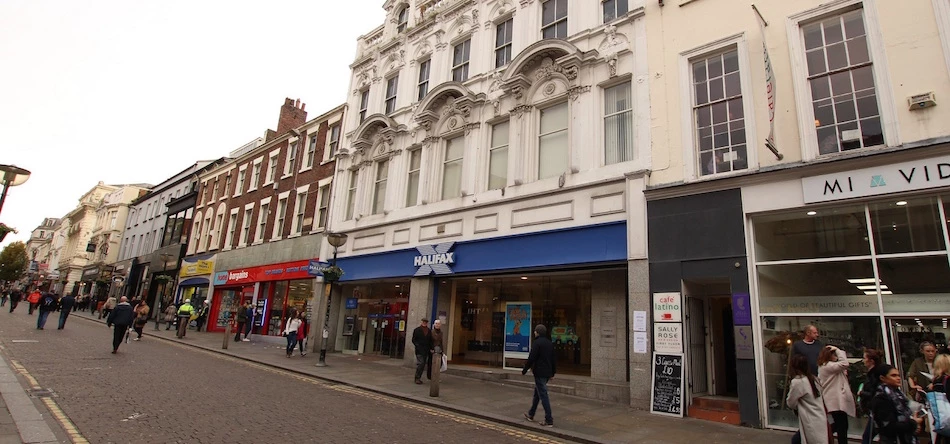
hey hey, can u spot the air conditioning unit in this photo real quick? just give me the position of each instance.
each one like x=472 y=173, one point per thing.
x=921 y=101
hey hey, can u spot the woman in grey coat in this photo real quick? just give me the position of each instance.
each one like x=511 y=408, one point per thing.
x=805 y=398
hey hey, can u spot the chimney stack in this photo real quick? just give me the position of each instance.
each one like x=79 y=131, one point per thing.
x=292 y=115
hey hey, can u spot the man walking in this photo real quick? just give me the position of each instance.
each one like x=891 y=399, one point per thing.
x=542 y=363
x=34 y=300
x=184 y=315
x=423 y=345
x=47 y=304
x=15 y=297
x=66 y=304
x=121 y=317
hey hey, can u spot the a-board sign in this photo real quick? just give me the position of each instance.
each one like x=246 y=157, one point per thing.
x=666 y=389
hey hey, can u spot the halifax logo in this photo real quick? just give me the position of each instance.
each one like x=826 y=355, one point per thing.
x=434 y=259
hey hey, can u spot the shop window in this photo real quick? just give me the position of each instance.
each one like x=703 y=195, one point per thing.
x=374 y=320
x=817 y=287
x=805 y=234
x=851 y=334
x=906 y=226
x=917 y=284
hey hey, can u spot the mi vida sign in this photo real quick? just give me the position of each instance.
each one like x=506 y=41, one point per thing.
x=885 y=179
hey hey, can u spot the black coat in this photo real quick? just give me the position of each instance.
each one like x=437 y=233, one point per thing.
x=541 y=360
x=66 y=302
x=421 y=340
x=122 y=315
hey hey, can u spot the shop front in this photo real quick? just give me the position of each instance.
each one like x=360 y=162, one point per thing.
x=490 y=293
x=194 y=279
x=276 y=291
x=862 y=254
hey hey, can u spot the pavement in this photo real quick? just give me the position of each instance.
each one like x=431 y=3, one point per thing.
x=576 y=419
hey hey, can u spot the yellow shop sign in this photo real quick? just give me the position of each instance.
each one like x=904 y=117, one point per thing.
x=196 y=268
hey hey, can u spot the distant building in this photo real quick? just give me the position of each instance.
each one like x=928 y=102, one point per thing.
x=39 y=249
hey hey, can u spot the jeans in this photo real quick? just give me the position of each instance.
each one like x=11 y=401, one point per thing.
x=13 y=304
x=41 y=319
x=118 y=335
x=421 y=360
x=247 y=327
x=240 y=328
x=541 y=394
x=62 y=318
x=291 y=342
x=840 y=426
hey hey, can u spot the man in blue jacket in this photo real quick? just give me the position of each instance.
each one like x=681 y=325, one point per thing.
x=121 y=316
x=543 y=365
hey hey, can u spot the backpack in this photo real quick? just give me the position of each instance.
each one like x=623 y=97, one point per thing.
x=49 y=301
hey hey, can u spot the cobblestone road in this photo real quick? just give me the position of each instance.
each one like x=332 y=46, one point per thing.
x=155 y=391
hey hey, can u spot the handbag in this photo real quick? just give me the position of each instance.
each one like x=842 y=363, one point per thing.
x=445 y=364
x=940 y=411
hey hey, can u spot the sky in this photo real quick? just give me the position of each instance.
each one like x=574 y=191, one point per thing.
x=136 y=91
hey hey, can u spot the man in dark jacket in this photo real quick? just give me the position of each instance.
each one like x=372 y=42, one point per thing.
x=47 y=304
x=423 y=344
x=15 y=296
x=121 y=316
x=66 y=304
x=543 y=365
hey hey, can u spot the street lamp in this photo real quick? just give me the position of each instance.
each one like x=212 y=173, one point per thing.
x=157 y=306
x=11 y=176
x=336 y=240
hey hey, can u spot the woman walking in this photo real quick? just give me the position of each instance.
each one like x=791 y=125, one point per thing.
x=141 y=318
x=302 y=333
x=805 y=398
x=171 y=312
x=290 y=331
x=835 y=391
x=872 y=361
x=892 y=416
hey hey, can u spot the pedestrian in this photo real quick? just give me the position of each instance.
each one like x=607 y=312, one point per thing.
x=109 y=306
x=15 y=296
x=435 y=347
x=809 y=347
x=241 y=319
x=3 y=296
x=184 y=315
x=892 y=415
x=171 y=312
x=543 y=365
x=47 y=304
x=835 y=389
x=423 y=346
x=873 y=360
x=922 y=369
x=290 y=331
x=141 y=318
x=250 y=321
x=941 y=384
x=302 y=333
x=66 y=304
x=34 y=300
x=202 y=316
x=805 y=398
x=121 y=317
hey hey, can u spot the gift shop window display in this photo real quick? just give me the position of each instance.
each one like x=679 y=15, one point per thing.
x=559 y=300
x=867 y=275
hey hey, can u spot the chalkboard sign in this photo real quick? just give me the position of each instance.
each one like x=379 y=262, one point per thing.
x=666 y=397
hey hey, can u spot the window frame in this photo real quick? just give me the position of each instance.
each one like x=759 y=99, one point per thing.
x=300 y=211
x=246 y=224
x=291 y=158
x=392 y=90
x=255 y=174
x=461 y=67
x=232 y=228
x=409 y=173
x=280 y=217
x=323 y=205
x=616 y=10
x=311 y=152
x=262 y=214
x=557 y=20
x=241 y=178
x=351 y=193
x=505 y=46
x=422 y=84
x=272 y=167
x=539 y=135
x=380 y=184
x=887 y=110
x=334 y=131
x=446 y=144
x=364 y=104
x=632 y=138
x=491 y=150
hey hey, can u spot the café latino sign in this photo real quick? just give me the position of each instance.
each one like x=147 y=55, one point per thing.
x=884 y=179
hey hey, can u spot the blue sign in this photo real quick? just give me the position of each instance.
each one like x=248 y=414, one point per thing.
x=518 y=327
x=221 y=278
x=351 y=303
x=741 y=309
x=313 y=268
x=434 y=259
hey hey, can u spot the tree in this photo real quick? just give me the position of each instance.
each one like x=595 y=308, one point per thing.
x=13 y=261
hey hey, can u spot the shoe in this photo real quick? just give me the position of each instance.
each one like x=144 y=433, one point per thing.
x=528 y=417
x=59 y=328
x=245 y=340
x=113 y=351
x=547 y=424
x=135 y=339
x=302 y=354
x=418 y=381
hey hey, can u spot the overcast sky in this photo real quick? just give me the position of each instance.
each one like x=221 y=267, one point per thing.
x=136 y=91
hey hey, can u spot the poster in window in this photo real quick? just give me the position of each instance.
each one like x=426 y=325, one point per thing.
x=517 y=327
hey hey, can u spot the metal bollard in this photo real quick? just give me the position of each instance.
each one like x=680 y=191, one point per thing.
x=436 y=374
x=227 y=335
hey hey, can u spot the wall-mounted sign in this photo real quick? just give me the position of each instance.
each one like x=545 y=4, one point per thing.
x=667 y=307
x=668 y=337
x=196 y=267
x=741 y=309
x=744 y=342
x=884 y=179
x=274 y=272
x=351 y=303
x=221 y=278
x=434 y=259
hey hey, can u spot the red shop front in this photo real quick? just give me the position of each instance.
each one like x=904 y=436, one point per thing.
x=275 y=290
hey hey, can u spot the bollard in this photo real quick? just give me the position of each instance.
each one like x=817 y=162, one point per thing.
x=227 y=335
x=436 y=374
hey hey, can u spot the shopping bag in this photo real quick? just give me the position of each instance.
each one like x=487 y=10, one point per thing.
x=445 y=364
x=940 y=411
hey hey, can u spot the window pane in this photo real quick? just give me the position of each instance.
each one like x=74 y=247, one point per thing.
x=699 y=71
x=844 y=109
x=915 y=284
x=499 y=135
x=812 y=34
x=498 y=168
x=412 y=193
x=815 y=287
x=561 y=8
x=454 y=149
x=554 y=118
x=415 y=160
x=911 y=227
x=452 y=180
x=732 y=85
x=858 y=51
x=547 y=12
x=618 y=138
x=617 y=98
x=816 y=61
x=871 y=132
x=831 y=232
x=553 y=155
x=832 y=29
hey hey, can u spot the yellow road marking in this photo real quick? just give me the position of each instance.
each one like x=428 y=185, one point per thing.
x=54 y=409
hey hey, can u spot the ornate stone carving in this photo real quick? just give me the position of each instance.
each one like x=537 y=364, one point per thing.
x=576 y=91
x=525 y=3
x=612 y=65
x=439 y=43
x=452 y=107
x=612 y=45
x=547 y=69
x=519 y=110
x=549 y=88
x=471 y=127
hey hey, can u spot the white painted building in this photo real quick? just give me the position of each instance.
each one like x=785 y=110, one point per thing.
x=512 y=137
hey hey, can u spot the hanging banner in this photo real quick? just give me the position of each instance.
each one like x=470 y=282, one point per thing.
x=769 y=86
x=517 y=330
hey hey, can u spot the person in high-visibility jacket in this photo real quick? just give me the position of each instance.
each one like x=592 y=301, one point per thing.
x=184 y=315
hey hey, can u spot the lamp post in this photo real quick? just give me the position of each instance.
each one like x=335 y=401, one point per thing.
x=11 y=176
x=158 y=297
x=336 y=240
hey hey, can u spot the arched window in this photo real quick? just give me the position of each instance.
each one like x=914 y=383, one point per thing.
x=403 y=19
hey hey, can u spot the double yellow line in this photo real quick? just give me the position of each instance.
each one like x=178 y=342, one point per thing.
x=54 y=409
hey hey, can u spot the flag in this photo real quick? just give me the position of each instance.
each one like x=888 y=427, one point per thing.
x=769 y=87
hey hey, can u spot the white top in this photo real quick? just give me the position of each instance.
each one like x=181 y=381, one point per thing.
x=292 y=326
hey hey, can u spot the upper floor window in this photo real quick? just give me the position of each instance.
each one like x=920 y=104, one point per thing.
x=843 y=93
x=452 y=168
x=552 y=141
x=334 y=143
x=402 y=19
x=246 y=230
x=618 y=124
x=391 y=85
x=291 y=158
x=351 y=194
x=323 y=206
x=262 y=222
x=300 y=209
x=239 y=186
x=255 y=176
x=554 y=19
x=272 y=169
x=498 y=157
x=423 y=84
x=232 y=225
x=719 y=117
x=379 y=188
x=311 y=151
x=227 y=186
x=460 y=55
x=364 y=104
x=415 y=164
x=613 y=9
x=503 y=43
x=279 y=222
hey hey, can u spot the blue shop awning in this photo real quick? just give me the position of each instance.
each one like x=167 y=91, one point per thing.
x=194 y=281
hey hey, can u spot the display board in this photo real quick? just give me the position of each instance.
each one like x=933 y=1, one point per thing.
x=666 y=388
